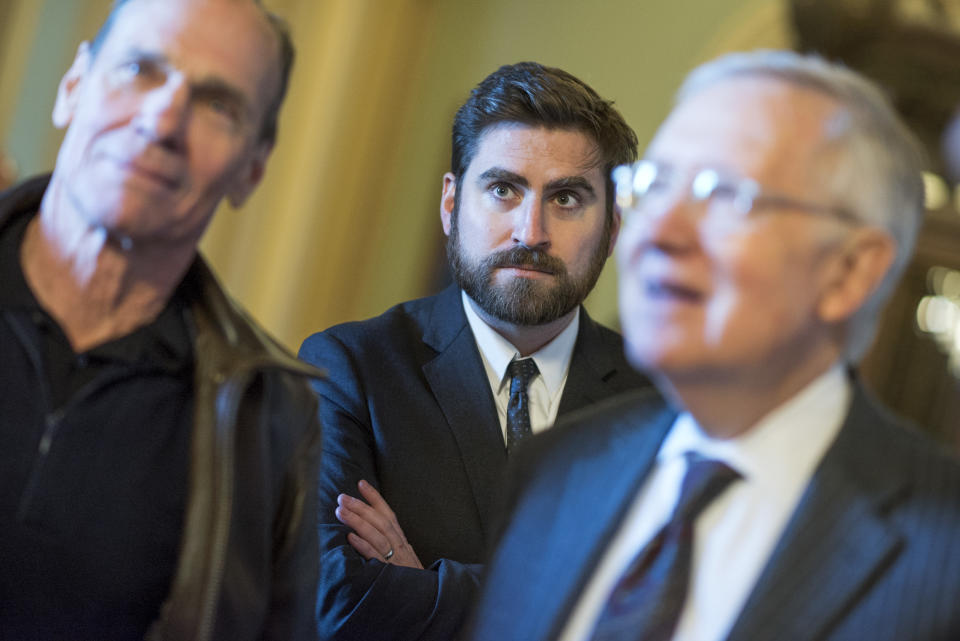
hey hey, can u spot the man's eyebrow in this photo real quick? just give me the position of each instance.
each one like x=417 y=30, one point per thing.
x=136 y=54
x=204 y=87
x=572 y=182
x=498 y=173
x=214 y=87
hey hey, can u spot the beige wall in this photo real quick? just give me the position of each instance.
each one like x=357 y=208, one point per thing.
x=346 y=222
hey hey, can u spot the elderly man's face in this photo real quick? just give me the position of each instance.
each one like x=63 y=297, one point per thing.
x=165 y=121
x=703 y=295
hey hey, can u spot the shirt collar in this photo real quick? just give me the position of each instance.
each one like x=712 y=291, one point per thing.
x=553 y=359
x=804 y=426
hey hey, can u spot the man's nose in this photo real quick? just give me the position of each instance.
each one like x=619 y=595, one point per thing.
x=164 y=112
x=530 y=224
x=672 y=224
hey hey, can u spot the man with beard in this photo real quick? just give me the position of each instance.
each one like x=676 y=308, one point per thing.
x=425 y=403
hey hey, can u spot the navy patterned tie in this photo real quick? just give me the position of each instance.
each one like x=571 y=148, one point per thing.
x=518 y=407
x=648 y=598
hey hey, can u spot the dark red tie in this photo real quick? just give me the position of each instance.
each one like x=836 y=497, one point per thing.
x=518 y=407
x=647 y=600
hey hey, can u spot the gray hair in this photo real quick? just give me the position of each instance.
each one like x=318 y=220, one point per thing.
x=876 y=166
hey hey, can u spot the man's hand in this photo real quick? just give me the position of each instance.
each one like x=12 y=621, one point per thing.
x=376 y=532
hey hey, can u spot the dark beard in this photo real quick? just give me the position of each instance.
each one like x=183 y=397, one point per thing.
x=523 y=301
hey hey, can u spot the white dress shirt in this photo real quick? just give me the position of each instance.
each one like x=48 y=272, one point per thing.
x=546 y=388
x=736 y=533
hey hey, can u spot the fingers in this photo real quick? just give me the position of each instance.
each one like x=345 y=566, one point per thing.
x=376 y=531
x=365 y=524
x=376 y=501
x=384 y=517
x=366 y=550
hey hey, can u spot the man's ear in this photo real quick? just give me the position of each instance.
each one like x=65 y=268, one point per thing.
x=448 y=200
x=250 y=176
x=614 y=229
x=861 y=265
x=68 y=91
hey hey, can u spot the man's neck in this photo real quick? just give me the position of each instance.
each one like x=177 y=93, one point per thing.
x=527 y=339
x=726 y=405
x=94 y=288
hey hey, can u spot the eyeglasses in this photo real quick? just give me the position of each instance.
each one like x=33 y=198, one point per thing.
x=648 y=187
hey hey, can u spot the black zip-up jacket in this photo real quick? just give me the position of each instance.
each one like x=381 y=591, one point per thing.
x=254 y=448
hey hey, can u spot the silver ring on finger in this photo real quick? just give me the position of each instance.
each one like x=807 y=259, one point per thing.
x=388 y=555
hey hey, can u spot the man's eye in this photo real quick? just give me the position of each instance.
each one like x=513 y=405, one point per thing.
x=502 y=190
x=708 y=184
x=138 y=71
x=724 y=191
x=222 y=107
x=138 y=68
x=567 y=199
x=657 y=184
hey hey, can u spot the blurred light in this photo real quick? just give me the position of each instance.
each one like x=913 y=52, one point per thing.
x=935 y=278
x=939 y=314
x=950 y=287
x=936 y=315
x=936 y=194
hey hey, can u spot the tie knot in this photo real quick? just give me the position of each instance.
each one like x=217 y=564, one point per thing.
x=521 y=372
x=704 y=481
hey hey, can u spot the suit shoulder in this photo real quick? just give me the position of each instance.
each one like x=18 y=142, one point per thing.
x=398 y=325
x=608 y=336
x=604 y=347
x=930 y=463
x=909 y=443
x=902 y=450
x=592 y=428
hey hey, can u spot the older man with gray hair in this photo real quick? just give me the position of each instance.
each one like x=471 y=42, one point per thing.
x=157 y=448
x=769 y=497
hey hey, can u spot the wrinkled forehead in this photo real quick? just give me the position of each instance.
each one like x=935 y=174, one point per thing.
x=762 y=127
x=228 y=39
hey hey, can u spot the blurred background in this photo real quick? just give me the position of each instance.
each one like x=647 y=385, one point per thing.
x=347 y=224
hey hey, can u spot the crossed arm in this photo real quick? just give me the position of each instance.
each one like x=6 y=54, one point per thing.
x=376 y=532
x=363 y=595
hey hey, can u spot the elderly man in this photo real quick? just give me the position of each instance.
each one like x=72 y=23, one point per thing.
x=156 y=446
x=425 y=401
x=770 y=218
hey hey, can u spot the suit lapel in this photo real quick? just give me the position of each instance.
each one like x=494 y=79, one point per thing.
x=459 y=383
x=591 y=365
x=591 y=506
x=837 y=541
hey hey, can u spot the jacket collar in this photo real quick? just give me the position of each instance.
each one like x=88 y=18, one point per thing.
x=603 y=479
x=456 y=373
x=240 y=342
x=838 y=539
x=214 y=311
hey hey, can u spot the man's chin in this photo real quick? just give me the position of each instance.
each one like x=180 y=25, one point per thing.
x=527 y=310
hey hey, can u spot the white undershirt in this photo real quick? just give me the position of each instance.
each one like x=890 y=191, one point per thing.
x=545 y=389
x=735 y=535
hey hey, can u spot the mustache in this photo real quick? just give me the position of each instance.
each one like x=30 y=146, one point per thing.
x=526 y=257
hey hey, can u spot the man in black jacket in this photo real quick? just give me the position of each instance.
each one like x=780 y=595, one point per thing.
x=156 y=448
x=421 y=401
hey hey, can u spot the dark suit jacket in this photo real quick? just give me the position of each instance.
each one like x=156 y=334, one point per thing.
x=871 y=552
x=407 y=406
